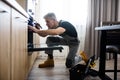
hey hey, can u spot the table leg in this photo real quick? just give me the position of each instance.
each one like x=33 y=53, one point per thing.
x=102 y=55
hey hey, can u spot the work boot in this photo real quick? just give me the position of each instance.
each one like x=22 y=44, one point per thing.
x=84 y=56
x=47 y=63
x=69 y=63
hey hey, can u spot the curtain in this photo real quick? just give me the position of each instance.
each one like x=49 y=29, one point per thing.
x=98 y=11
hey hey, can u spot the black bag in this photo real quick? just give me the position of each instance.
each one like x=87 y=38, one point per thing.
x=77 y=72
x=80 y=71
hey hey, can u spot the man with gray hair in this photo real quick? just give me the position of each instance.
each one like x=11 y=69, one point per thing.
x=68 y=37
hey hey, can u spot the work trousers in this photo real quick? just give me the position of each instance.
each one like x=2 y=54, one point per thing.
x=71 y=42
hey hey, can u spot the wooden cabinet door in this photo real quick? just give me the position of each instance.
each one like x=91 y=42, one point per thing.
x=4 y=41
x=19 y=46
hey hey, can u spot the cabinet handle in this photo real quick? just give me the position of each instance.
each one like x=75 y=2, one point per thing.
x=3 y=11
x=17 y=17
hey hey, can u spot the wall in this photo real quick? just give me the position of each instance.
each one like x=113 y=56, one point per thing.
x=23 y=3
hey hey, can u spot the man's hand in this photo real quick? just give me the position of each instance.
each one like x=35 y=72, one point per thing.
x=38 y=31
x=32 y=29
x=37 y=25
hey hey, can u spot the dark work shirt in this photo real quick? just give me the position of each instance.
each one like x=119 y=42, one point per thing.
x=70 y=29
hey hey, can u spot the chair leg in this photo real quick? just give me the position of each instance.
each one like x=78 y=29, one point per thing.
x=115 y=66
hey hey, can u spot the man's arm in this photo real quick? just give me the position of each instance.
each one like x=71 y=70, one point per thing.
x=44 y=33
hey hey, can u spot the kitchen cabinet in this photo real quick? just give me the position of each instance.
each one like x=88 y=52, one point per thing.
x=4 y=41
x=15 y=61
x=18 y=46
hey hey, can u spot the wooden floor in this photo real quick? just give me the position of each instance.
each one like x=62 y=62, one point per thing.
x=60 y=72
